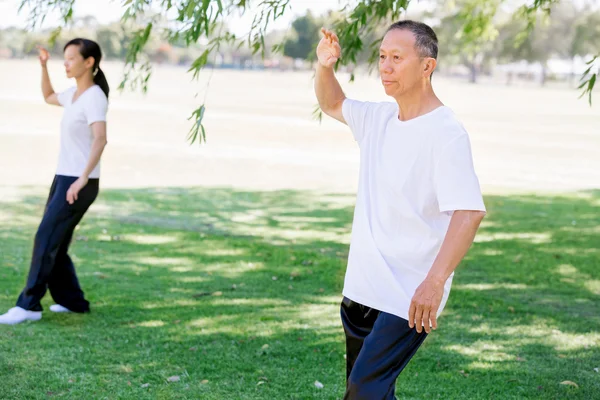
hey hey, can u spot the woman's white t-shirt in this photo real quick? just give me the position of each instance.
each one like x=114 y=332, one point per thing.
x=413 y=175
x=75 y=131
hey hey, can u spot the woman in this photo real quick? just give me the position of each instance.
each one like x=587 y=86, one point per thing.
x=75 y=186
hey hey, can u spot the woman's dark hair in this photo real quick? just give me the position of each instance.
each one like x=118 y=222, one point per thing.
x=89 y=48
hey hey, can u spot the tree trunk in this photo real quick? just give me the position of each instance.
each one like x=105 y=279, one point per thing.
x=473 y=70
x=544 y=74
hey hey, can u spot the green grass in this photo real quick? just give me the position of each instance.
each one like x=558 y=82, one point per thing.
x=237 y=294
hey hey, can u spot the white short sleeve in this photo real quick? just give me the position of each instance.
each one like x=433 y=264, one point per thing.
x=357 y=114
x=456 y=184
x=95 y=107
x=65 y=97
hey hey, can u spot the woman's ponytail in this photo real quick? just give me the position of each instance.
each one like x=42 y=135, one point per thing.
x=100 y=80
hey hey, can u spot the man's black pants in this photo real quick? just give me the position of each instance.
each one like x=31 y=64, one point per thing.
x=378 y=347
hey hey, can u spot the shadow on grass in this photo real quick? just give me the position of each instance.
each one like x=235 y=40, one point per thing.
x=237 y=294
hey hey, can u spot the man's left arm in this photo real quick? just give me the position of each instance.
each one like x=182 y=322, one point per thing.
x=428 y=296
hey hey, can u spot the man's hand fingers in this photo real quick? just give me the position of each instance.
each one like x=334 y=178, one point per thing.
x=433 y=318
x=411 y=315
x=425 y=321
x=419 y=319
x=331 y=37
x=337 y=48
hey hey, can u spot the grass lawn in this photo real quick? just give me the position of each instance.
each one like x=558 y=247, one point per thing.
x=225 y=294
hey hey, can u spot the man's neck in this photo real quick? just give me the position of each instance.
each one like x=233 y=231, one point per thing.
x=418 y=102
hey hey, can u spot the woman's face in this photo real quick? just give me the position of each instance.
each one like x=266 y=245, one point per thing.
x=75 y=65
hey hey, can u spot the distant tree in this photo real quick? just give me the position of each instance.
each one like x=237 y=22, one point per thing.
x=305 y=37
x=553 y=36
x=469 y=45
x=200 y=19
x=112 y=41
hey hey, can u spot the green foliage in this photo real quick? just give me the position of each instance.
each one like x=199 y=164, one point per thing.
x=470 y=28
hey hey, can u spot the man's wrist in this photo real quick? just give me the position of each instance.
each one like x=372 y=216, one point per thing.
x=324 y=67
x=436 y=279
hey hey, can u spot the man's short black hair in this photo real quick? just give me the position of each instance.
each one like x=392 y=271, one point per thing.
x=426 y=41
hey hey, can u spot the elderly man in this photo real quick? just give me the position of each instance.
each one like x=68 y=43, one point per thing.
x=418 y=207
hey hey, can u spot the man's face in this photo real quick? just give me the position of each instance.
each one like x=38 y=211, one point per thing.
x=401 y=68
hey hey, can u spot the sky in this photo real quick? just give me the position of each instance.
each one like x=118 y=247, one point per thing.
x=107 y=11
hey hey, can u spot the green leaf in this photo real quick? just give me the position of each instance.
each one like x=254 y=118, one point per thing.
x=197 y=132
x=189 y=10
x=590 y=88
x=587 y=71
x=54 y=36
x=318 y=114
x=199 y=63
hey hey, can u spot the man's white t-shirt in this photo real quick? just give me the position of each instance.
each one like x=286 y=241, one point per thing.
x=75 y=132
x=413 y=175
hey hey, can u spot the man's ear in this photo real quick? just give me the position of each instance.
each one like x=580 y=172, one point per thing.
x=429 y=65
